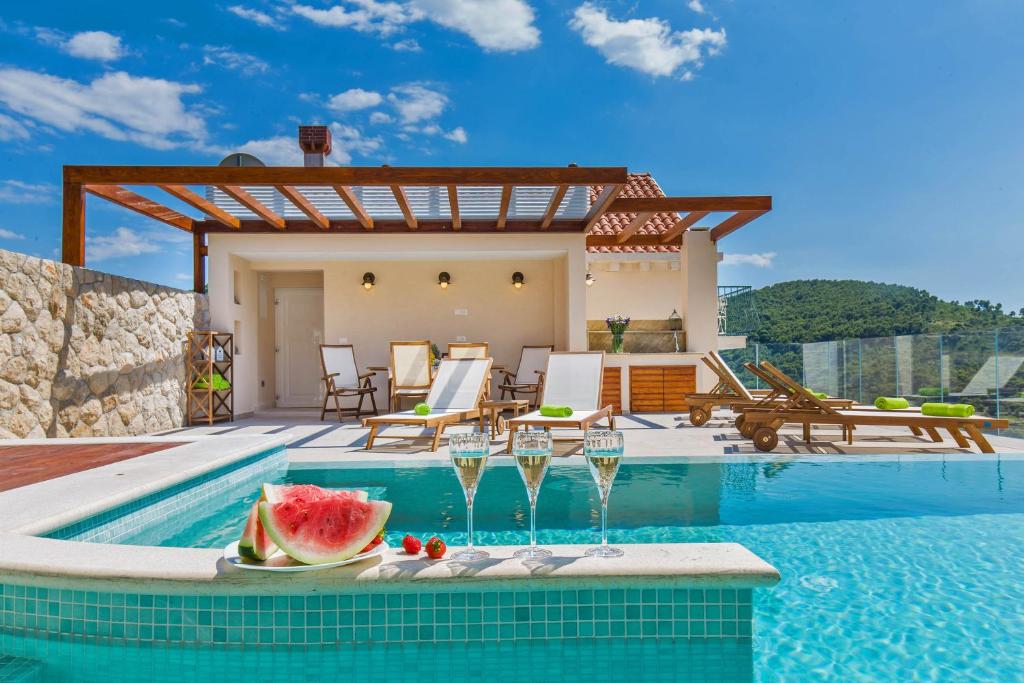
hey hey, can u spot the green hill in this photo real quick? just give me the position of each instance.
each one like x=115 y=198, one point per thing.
x=824 y=310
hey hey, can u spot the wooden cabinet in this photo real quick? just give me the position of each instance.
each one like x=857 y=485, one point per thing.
x=611 y=389
x=660 y=388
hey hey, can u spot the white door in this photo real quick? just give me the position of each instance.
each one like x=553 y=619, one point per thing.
x=299 y=314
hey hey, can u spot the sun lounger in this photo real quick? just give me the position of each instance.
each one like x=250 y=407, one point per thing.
x=454 y=397
x=803 y=407
x=408 y=371
x=571 y=379
x=529 y=377
x=343 y=380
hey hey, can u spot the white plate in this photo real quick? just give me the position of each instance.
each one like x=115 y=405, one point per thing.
x=279 y=562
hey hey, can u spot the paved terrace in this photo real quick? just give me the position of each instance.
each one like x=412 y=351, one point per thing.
x=648 y=435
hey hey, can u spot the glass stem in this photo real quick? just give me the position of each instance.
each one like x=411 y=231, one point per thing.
x=469 y=523
x=533 y=521
x=604 y=521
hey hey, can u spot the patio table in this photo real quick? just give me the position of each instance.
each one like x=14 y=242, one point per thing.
x=494 y=410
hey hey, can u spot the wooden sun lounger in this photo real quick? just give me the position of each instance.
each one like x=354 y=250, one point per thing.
x=446 y=412
x=803 y=407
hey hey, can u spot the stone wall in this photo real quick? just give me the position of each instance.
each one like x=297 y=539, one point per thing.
x=84 y=353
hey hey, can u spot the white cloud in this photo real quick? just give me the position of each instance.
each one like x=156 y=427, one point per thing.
x=18 y=192
x=495 y=25
x=764 y=260
x=12 y=129
x=697 y=6
x=98 y=45
x=647 y=45
x=247 y=64
x=415 y=102
x=458 y=135
x=348 y=139
x=365 y=16
x=117 y=106
x=183 y=277
x=255 y=16
x=407 y=45
x=10 y=235
x=379 y=117
x=354 y=99
x=123 y=242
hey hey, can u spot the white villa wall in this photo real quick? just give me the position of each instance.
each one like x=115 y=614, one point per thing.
x=407 y=301
x=630 y=289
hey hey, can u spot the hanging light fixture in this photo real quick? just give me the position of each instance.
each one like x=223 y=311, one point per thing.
x=590 y=280
x=518 y=280
x=444 y=279
x=369 y=280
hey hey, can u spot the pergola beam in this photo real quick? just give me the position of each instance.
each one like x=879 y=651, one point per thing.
x=392 y=225
x=506 y=201
x=453 y=202
x=253 y=204
x=679 y=204
x=600 y=205
x=639 y=221
x=345 y=175
x=556 y=201
x=139 y=204
x=304 y=205
x=682 y=225
x=209 y=208
x=353 y=204
x=403 y=204
x=734 y=223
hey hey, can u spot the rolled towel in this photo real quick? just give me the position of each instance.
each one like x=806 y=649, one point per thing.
x=947 y=409
x=556 y=411
x=421 y=409
x=890 y=403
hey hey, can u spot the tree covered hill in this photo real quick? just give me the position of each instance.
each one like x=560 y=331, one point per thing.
x=823 y=310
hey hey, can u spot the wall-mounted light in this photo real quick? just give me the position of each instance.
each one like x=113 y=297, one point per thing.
x=369 y=280
x=444 y=279
x=590 y=280
x=518 y=280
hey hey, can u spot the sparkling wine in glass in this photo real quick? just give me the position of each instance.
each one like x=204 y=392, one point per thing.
x=603 y=451
x=532 y=452
x=469 y=454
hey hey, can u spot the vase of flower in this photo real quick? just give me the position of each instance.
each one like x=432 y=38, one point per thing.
x=617 y=325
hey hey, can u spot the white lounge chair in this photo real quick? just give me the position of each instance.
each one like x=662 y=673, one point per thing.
x=454 y=397
x=408 y=371
x=529 y=377
x=343 y=380
x=571 y=379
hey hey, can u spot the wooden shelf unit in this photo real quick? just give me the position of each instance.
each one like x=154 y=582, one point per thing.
x=660 y=388
x=205 y=405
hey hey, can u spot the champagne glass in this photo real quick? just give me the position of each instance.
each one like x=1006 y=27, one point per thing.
x=603 y=451
x=469 y=454
x=532 y=451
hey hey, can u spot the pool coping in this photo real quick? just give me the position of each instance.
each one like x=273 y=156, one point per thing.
x=27 y=557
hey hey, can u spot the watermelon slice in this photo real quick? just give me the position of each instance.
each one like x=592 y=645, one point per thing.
x=255 y=544
x=317 y=528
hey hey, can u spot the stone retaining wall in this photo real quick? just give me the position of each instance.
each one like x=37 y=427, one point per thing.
x=84 y=353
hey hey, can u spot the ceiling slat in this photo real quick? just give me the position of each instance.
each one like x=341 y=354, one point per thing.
x=682 y=225
x=453 y=201
x=598 y=208
x=556 y=200
x=506 y=201
x=209 y=208
x=304 y=205
x=403 y=204
x=734 y=223
x=253 y=204
x=639 y=220
x=354 y=206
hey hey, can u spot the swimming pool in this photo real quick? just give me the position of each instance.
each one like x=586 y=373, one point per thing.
x=891 y=568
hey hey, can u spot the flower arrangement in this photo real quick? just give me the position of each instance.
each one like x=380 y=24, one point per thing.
x=617 y=324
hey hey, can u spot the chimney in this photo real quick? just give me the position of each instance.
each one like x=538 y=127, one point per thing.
x=315 y=142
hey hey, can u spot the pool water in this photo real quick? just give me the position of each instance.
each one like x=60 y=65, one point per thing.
x=892 y=569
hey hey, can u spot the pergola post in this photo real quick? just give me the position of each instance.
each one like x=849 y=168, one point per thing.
x=199 y=262
x=73 y=228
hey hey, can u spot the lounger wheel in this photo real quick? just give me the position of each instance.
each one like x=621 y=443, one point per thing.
x=740 y=419
x=499 y=425
x=765 y=439
x=699 y=416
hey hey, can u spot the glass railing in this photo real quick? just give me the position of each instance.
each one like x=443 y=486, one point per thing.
x=982 y=368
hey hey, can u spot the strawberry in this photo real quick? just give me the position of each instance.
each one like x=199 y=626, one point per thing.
x=377 y=540
x=436 y=548
x=411 y=544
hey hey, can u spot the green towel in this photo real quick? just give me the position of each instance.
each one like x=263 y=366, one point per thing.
x=556 y=411
x=421 y=409
x=218 y=383
x=947 y=409
x=816 y=394
x=890 y=403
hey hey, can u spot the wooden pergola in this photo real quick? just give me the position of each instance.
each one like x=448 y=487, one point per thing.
x=235 y=202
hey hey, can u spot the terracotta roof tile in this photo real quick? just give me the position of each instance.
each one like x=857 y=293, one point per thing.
x=637 y=185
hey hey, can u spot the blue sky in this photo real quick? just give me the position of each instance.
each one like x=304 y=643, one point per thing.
x=889 y=134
